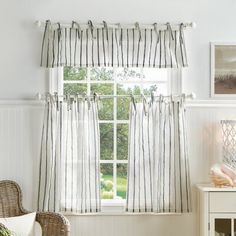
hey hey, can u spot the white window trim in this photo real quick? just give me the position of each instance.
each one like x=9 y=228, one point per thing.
x=175 y=78
x=55 y=80
x=114 y=206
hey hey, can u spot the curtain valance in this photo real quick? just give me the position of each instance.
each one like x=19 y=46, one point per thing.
x=160 y=47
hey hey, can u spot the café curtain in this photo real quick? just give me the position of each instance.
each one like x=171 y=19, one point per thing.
x=158 y=172
x=69 y=173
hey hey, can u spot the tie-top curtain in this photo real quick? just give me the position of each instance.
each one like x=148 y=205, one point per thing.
x=158 y=179
x=69 y=179
x=157 y=47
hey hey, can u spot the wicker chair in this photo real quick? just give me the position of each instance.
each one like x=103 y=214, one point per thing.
x=53 y=224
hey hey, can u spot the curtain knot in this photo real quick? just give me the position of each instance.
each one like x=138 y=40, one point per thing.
x=106 y=28
x=74 y=23
x=152 y=97
x=59 y=27
x=91 y=27
x=120 y=36
x=77 y=101
x=144 y=104
x=181 y=34
x=133 y=101
x=95 y=97
x=88 y=101
x=182 y=101
x=137 y=27
x=46 y=31
x=170 y=30
x=156 y=31
x=56 y=100
x=161 y=100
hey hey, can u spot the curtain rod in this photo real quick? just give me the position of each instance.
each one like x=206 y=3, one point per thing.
x=190 y=96
x=41 y=24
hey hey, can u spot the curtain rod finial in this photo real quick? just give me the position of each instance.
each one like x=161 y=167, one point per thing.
x=193 y=25
x=38 y=23
x=193 y=95
x=38 y=96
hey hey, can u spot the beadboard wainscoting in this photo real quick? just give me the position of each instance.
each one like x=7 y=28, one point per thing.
x=21 y=123
x=20 y=134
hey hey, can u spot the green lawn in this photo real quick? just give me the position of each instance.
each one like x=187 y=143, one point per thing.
x=121 y=184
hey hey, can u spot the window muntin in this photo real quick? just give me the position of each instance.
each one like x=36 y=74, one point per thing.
x=114 y=114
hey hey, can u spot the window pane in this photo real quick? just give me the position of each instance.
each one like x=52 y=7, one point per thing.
x=123 y=89
x=101 y=73
x=128 y=74
x=150 y=88
x=123 y=108
x=121 y=180
x=122 y=141
x=104 y=89
x=155 y=74
x=106 y=141
x=160 y=88
x=105 y=109
x=107 y=191
x=75 y=73
x=75 y=88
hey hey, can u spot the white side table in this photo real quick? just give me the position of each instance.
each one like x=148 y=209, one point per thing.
x=217 y=210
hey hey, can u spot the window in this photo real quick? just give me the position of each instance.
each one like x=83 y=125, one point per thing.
x=114 y=112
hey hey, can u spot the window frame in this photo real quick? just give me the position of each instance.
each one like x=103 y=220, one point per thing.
x=55 y=78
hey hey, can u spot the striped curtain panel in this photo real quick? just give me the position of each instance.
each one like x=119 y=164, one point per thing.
x=158 y=179
x=69 y=179
x=115 y=47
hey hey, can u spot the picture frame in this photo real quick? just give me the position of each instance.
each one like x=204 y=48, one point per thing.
x=223 y=70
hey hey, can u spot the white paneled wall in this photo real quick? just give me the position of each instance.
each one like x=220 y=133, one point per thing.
x=20 y=131
x=20 y=127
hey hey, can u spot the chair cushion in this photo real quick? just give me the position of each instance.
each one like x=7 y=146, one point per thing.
x=37 y=229
x=22 y=225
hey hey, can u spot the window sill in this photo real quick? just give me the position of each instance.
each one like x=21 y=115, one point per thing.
x=117 y=208
x=113 y=213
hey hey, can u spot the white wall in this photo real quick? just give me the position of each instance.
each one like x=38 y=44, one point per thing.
x=20 y=41
x=21 y=77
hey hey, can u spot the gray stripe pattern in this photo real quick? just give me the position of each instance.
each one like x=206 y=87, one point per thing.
x=158 y=179
x=69 y=179
x=113 y=47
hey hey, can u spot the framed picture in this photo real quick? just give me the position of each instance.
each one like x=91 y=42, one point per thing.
x=223 y=70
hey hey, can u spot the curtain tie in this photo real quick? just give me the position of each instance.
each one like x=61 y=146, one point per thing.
x=46 y=30
x=119 y=31
x=77 y=27
x=156 y=31
x=133 y=101
x=91 y=27
x=137 y=26
x=144 y=104
x=170 y=31
x=106 y=28
x=181 y=33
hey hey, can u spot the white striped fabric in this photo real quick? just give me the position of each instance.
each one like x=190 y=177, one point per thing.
x=69 y=178
x=158 y=179
x=99 y=47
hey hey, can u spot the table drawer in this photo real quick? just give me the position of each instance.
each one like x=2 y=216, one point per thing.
x=222 y=202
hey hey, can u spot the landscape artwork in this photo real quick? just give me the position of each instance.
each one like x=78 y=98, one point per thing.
x=223 y=70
